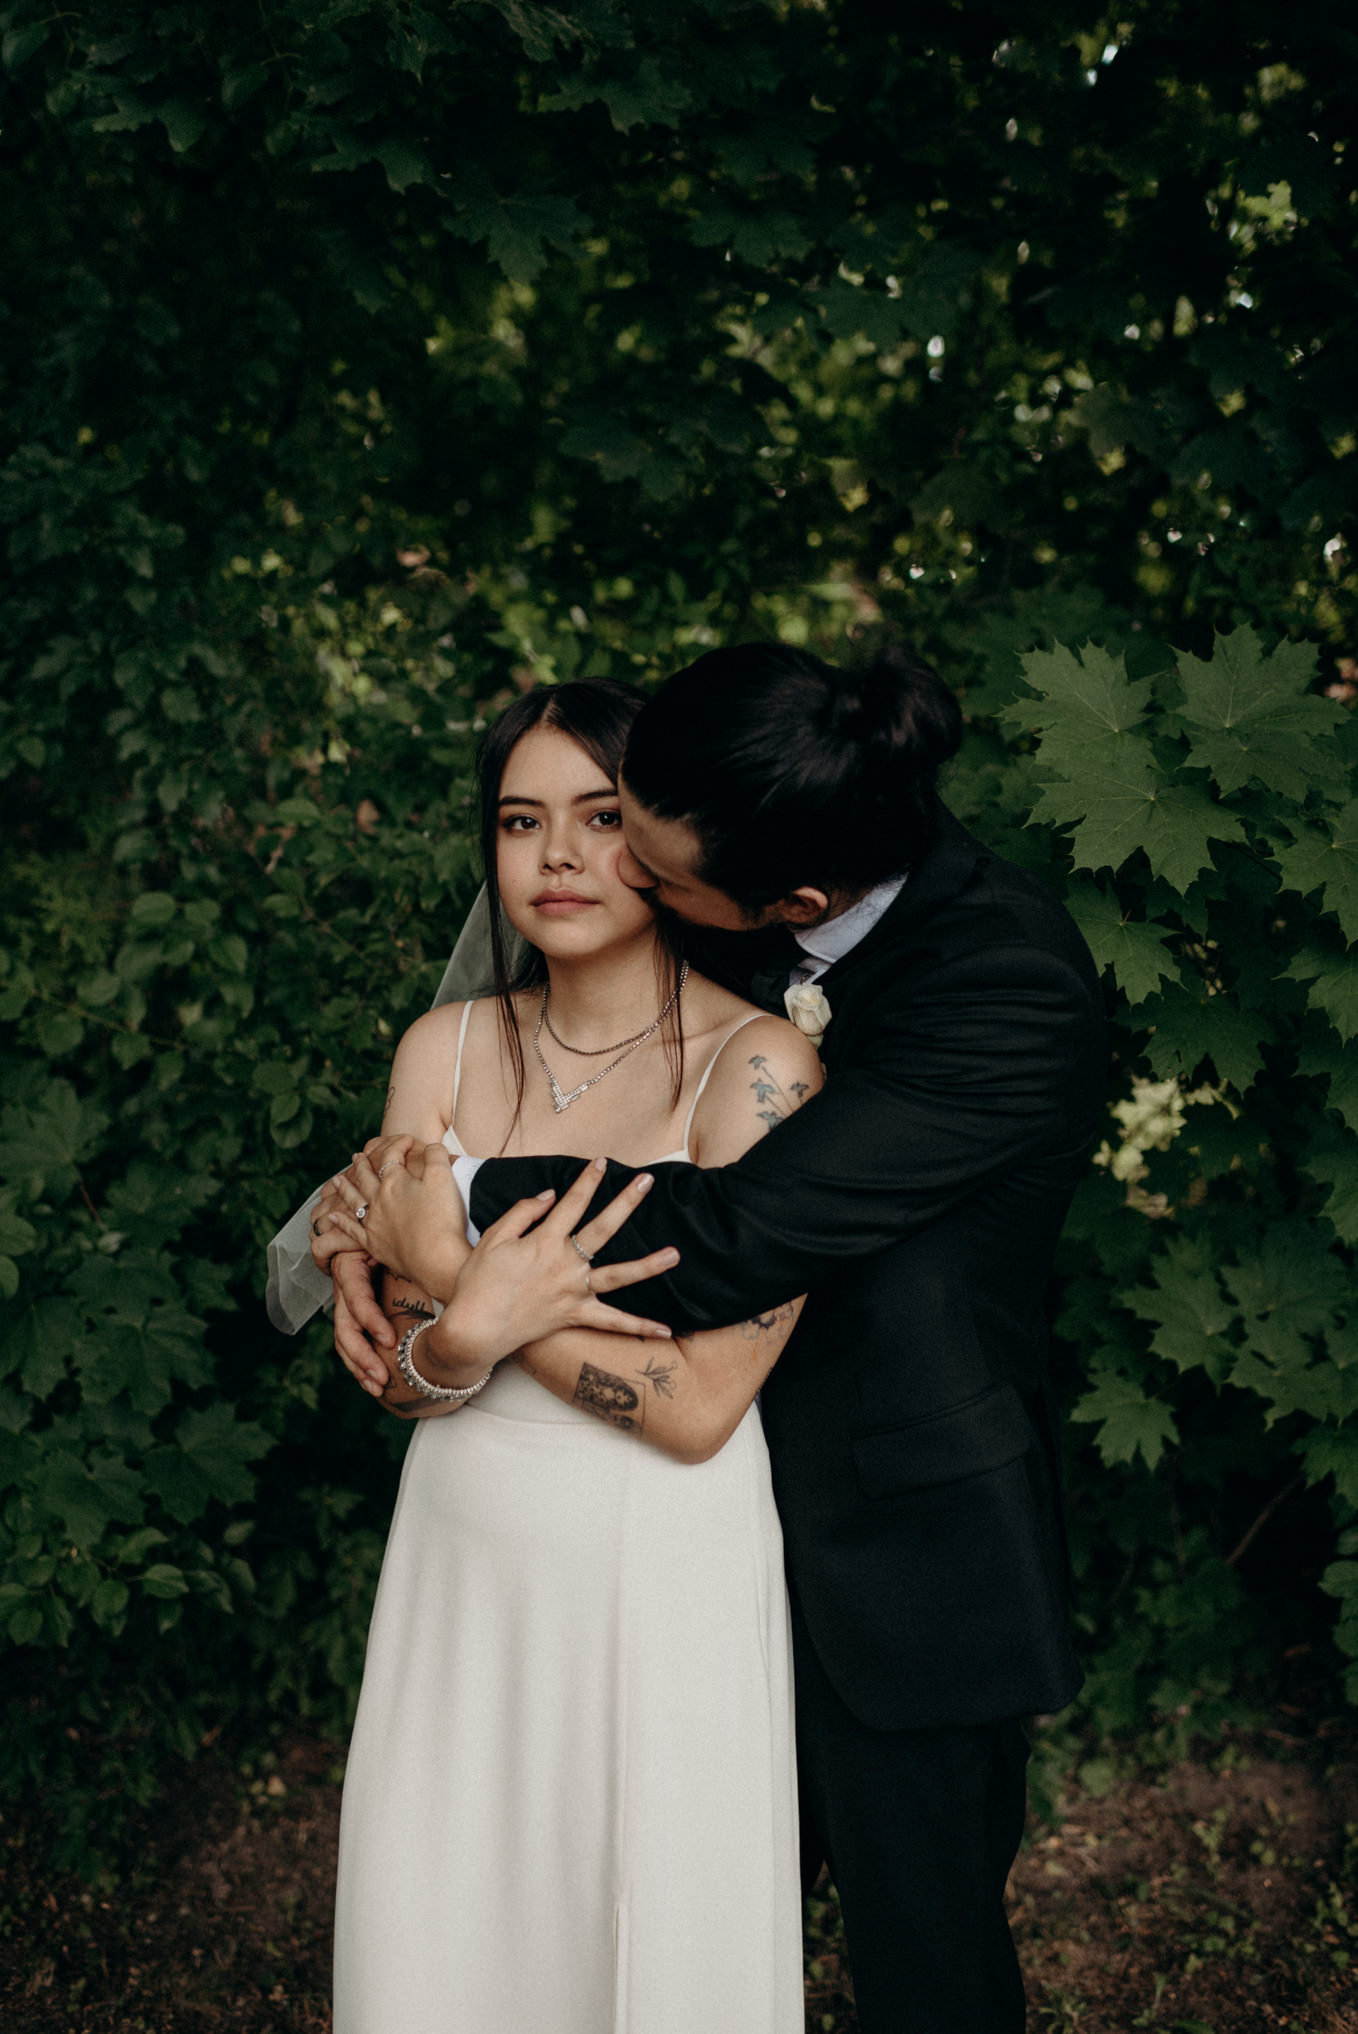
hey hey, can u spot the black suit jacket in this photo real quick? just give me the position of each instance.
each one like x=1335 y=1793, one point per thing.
x=918 y=1200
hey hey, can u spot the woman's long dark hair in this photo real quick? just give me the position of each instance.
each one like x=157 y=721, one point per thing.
x=598 y=714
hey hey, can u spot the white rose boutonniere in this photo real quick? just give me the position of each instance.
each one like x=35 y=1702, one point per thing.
x=809 y=1009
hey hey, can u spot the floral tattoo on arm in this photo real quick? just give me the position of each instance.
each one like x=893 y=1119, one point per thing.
x=660 y=1377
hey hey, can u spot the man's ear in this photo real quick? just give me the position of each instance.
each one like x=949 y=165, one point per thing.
x=801 y=907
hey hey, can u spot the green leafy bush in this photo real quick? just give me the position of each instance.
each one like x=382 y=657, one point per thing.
x=358 y=366
x=1213 y=867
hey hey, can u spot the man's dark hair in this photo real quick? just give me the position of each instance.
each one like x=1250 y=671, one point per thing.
x=792 y=771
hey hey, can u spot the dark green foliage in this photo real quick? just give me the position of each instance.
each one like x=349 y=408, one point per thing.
x=358 y=363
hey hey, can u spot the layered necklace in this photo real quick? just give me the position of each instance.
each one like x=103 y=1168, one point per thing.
x=624 y=1047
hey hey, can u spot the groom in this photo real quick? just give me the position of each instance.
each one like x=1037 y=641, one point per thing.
x=787 y=811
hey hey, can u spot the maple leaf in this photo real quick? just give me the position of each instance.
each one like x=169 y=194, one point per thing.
x=1333 y=1160
x=1116 y=811
x=1086 y=710
x=1317 y=1389
x=1189 y=1029
x=1334 y=990
x=1332 y=1451
x=1133 y=949
x=88 y=1497
x=1327 y=862
x=1186 y=1308
x=209 y=1458
x=517 y=229
x=1286 y=1290
x=1182 y=821
x=1340 y=1069
x=1129 y=1421
x=1251 y=716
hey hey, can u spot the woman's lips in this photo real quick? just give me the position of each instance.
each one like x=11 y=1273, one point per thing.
x=562 y=903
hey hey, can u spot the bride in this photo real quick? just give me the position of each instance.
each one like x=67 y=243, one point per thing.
x=570 y=1804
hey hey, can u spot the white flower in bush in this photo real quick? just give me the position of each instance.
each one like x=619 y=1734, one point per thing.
x=809 y=1009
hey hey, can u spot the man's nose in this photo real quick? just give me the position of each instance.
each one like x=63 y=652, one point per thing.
x=632 y=873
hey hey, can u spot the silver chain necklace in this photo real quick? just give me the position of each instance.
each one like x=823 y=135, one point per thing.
x=560 y=1099
x=596 y=1051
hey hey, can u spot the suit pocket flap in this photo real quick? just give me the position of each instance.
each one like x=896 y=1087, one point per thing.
x=971 y=1439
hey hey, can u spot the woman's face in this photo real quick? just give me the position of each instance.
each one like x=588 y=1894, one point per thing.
x=559 y=844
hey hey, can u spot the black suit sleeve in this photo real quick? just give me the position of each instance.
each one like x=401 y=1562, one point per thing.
x=996 y=1061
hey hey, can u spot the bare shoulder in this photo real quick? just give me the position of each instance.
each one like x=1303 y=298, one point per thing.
x=761 y=1077
x=420 y=1094
x=434 y=1034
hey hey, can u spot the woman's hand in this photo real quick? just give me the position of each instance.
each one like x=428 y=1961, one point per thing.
x=527 y=1278
x=326 y=1240
x=413 y=1218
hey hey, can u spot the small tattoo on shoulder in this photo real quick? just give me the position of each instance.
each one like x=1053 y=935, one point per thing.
x=610 y=1398
x=391 y=1097
x=772 y=1102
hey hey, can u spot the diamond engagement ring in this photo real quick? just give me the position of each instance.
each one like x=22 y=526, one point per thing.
x=359 y=1213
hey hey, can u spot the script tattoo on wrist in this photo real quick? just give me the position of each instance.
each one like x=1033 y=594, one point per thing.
x=410 y=1303
x=767 y=1324
x=773 y=1103
x=610 y=1398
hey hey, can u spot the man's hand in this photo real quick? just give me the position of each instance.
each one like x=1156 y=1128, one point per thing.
x=528 y=1277
x=360 y=1322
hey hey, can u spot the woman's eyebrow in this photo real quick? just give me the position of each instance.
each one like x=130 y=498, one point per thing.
x=585 y=797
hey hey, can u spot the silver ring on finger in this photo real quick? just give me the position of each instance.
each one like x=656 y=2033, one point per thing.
x=360 y=1213
x=586 y=1256
x=387 y=1167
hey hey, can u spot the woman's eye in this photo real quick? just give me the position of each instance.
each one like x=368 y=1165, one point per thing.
x=609 y=821
x=518 y=822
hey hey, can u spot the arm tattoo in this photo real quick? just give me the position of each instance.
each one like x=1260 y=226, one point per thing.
x=610 y=1398
x=391 y=1097
x=660 y=1376
x=409 y=1301
x=766 y=1324
x=773 y=1103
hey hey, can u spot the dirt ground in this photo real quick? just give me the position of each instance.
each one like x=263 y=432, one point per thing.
x=1215 y=1899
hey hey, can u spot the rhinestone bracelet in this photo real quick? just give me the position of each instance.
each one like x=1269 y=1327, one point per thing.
x=421 y=1384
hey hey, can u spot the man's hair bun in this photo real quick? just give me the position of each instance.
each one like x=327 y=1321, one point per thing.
x=897 y=699
x=793 y=771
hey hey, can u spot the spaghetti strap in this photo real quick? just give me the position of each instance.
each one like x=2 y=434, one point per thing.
x=707 y=1073
x=457 y=1063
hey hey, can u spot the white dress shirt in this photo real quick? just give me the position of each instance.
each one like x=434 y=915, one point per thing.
x=828 y=942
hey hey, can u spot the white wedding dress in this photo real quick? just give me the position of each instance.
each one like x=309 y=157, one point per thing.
x=570 y=1804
